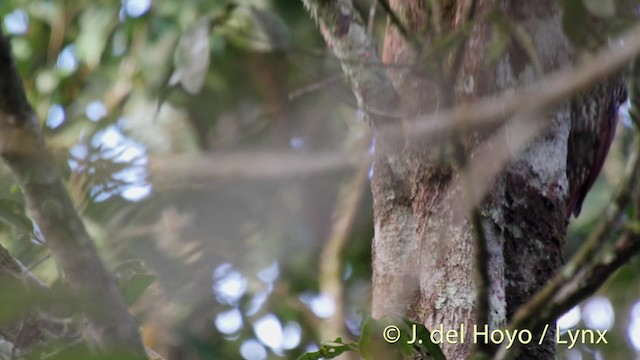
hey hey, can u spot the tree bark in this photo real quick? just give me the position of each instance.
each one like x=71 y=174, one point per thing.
x=423 y=265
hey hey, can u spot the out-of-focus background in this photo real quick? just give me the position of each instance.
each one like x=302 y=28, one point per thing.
x=210 y=144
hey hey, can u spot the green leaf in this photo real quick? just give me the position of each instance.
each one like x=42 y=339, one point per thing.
x=426 y=346
x=330 y=350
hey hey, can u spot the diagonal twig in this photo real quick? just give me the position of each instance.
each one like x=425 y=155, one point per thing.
x=544 y=94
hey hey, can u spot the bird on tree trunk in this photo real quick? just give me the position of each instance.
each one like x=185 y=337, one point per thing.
x=594 y=118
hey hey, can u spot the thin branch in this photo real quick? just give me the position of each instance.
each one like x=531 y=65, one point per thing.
x=248 y=166
x=22 y=148
x=546 y=93
x=39 y=261
x=330 y=272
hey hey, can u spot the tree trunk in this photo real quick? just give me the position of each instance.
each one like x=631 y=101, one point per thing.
x=423 y=263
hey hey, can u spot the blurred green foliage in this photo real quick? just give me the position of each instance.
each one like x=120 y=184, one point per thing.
x=116 y=84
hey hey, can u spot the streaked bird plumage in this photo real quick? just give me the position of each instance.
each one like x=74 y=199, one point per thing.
x=594 y=116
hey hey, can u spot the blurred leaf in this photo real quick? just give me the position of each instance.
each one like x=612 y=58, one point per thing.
x=330 y=350
x=426 y=346
x=192 y=57
x=256 y=29
x=95 y=28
